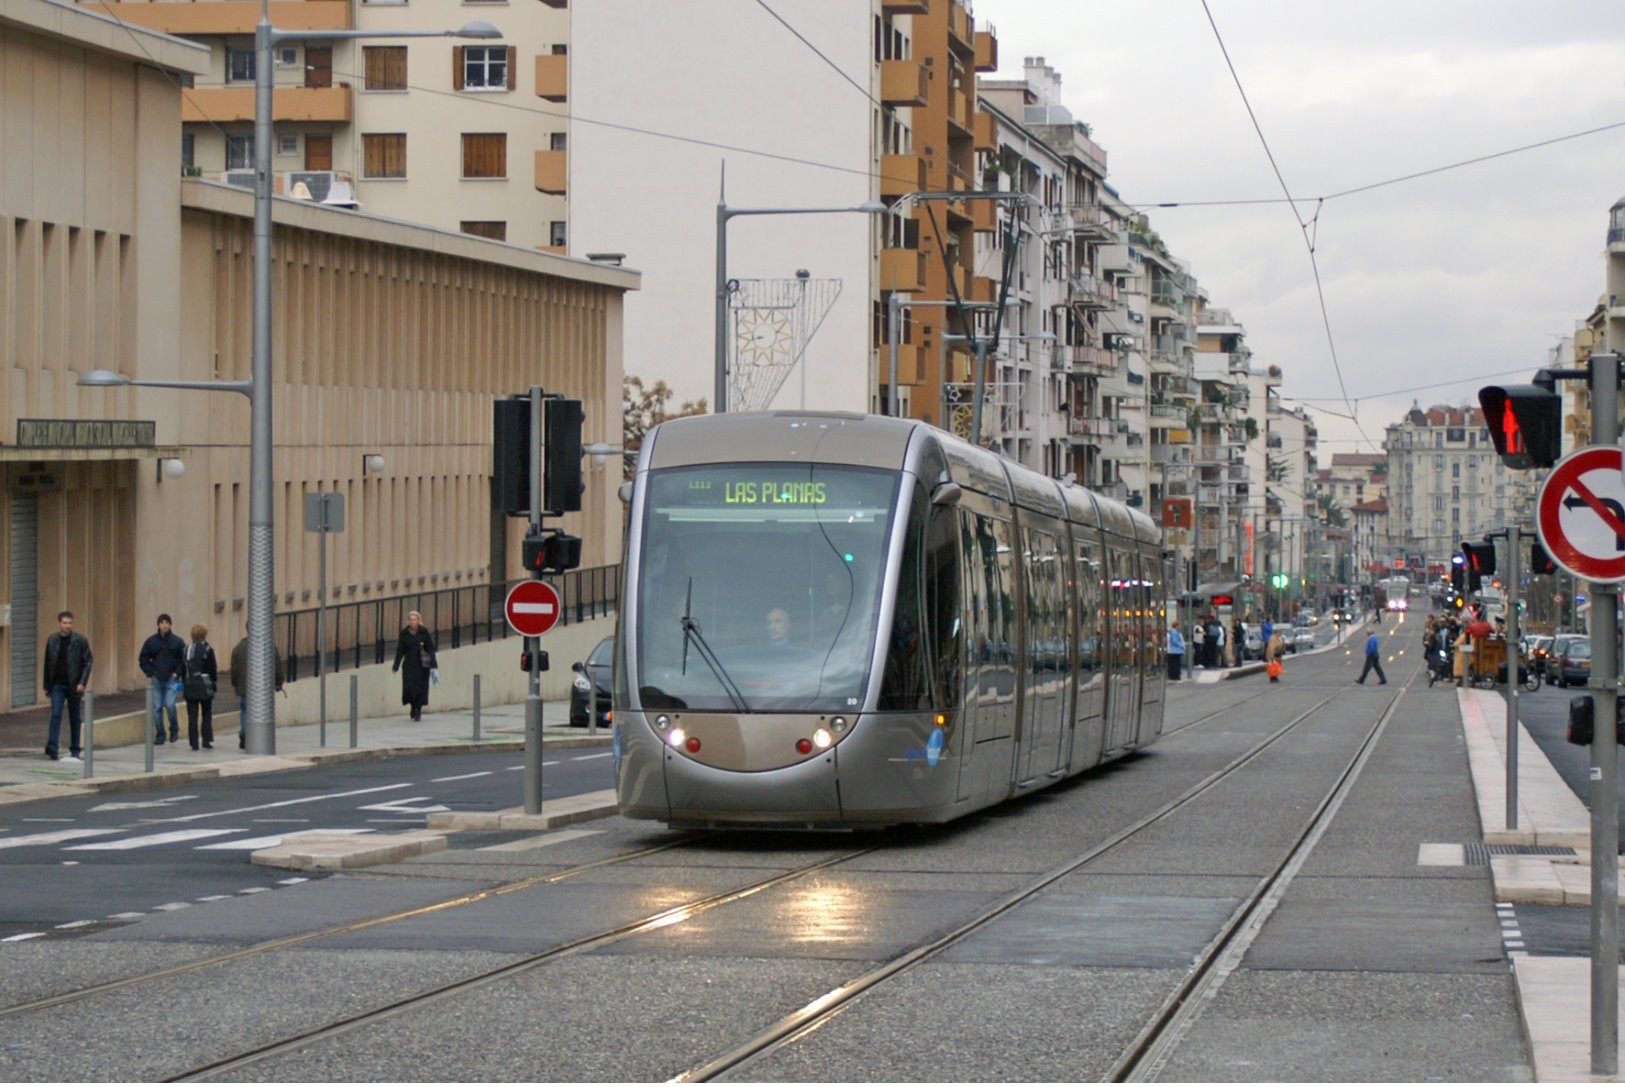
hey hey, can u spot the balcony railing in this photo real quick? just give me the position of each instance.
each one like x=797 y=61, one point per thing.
x=1089 y=428
x=364 y=632
x=1091 y=292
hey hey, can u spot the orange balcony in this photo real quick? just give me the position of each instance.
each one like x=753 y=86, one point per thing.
x=982 y=288
x=903 y=82
x=987 y=51
x=961 y=32
x=901 y=174
x=552 y=171
x=984 y=216
x=553 y=76
x=910 y=364
x=222 y=105
x=959 y=112
x=902 y=270
x=984 y=131
x=229 y=16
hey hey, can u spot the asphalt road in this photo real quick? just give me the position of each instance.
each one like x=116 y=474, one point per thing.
x=93 y=862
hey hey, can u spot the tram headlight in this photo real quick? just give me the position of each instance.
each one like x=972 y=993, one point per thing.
x=675 y=737
x=822 y=738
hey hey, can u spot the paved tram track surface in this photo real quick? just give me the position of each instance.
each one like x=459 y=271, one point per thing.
x=1051 y=938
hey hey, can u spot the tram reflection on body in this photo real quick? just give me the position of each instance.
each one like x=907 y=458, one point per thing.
x=836 y=620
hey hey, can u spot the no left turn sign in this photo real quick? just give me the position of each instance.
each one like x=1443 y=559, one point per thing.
x=1580 y=514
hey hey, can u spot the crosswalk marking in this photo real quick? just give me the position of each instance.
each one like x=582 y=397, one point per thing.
x=78 y=924
x=158 y=839
x=464 y=777
x=21 y=936
x=538 y=842
x=51 y=837
x=271 y=840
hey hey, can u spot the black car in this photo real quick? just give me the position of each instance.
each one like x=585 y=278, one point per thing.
x=595 y=672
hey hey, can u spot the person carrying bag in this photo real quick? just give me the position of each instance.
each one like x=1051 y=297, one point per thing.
x=200 y=678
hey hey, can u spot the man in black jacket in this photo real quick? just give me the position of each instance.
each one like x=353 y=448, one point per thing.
x=163 y=661
x=67 y=674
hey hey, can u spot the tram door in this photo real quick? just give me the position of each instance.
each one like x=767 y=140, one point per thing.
x=1123 y=640
x=1045 y=648
x=1089 y=721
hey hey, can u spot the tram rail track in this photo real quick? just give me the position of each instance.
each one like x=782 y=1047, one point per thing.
x=1151 y=1047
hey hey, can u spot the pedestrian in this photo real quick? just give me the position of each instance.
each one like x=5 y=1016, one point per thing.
x=1373 y=652
x=1198 y=645
x=1215 y=638
x=67 y=674
x=239 y=683
x=202 y=678
x=416 y=649
x=1239 y=642
x=162 y=661
x=1274 y=652
x=1176 y=651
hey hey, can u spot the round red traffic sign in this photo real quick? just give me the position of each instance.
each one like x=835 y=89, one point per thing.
x=1580 y=514
x=532 y=607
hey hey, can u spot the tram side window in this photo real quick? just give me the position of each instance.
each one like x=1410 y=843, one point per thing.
x=942 y=602
x=1091 y=625
x=1003 y=556
x=904 y=685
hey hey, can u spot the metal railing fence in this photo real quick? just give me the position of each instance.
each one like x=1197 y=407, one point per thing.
x=364 y=632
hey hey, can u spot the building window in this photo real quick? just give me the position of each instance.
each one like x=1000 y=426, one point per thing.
x=556 y=235
x=485 y=68
x=188 y=142
x=1455 y=470
x=496 y=231
x=485 y=154
x=384 y=154
x=287 y=143
x=239 y=65
x=239 y=152
x=557 y=141
x=385 y=68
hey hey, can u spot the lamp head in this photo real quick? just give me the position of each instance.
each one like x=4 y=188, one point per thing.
x=101 y=379
x=478 y=30
x=872 y=207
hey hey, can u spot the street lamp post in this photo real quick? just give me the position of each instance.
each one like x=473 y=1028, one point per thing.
x=724 y=213
x=259 y=709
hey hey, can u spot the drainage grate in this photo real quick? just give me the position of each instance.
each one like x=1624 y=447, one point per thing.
x=1477 y=853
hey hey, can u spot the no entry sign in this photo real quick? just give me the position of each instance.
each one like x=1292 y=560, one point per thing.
x=532 y=608
x=1580 y=514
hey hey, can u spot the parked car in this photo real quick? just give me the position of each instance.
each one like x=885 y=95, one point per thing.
x=1549 y=665
x=1536 y=649
x=597 y=670
x=1252 y=648
x=1574 y=663
x=1303 y=640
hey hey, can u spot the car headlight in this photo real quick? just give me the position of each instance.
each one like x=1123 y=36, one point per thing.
x=581 y=683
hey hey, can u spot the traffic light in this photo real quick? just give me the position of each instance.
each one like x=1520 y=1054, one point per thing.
x=1525 y=423
x=1480 y=563
x=1458 y=574
x=1539 y=561
x=1280 y=581
x=553 y=551
x=542 y=663
x=561 y=455
x=561 y=473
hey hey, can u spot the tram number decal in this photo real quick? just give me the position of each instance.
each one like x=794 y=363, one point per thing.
x=771 y=493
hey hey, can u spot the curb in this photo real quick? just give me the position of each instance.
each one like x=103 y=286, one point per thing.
x=343 y=851
x=561 y=813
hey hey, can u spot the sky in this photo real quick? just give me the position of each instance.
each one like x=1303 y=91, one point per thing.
x=1468 y=276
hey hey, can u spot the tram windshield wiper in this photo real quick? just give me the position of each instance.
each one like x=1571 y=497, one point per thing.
x=691 y=630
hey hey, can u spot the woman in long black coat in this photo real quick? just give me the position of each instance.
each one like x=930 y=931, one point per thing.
x=416 y=650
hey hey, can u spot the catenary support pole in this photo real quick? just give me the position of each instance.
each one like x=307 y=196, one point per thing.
x=1604 y=763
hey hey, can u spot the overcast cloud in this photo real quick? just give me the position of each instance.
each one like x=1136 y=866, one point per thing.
x=1452 y=277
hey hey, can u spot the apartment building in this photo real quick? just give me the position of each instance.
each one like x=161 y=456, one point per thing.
x=1446 y=483
x=1373 y=550
x=468 y=135
x=730 y=106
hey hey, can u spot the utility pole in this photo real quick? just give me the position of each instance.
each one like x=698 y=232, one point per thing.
x=1604 y=684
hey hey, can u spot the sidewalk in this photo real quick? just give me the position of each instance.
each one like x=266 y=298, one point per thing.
x=1554 y=992
x=31 y=776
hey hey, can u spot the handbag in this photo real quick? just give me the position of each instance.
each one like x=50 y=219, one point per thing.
x=1274 y=668
x=425 y=658
x=199 y=686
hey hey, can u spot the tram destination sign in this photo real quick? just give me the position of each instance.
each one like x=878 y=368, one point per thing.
x=86 y=433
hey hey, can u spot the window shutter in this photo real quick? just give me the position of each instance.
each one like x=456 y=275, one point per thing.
x=513 y=66
x=457 y=67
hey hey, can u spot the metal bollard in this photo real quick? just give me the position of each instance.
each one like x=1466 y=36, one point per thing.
x=90 y=733
x=592 y=702
x=476 y=707
x=354 y=702
x=147 y=726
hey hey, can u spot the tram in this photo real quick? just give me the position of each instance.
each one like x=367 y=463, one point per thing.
x=838 y=621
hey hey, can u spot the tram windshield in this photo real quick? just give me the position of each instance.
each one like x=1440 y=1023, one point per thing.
x=759 y=585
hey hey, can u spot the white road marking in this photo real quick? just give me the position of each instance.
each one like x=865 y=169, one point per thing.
x=541 y=841
x=42 y=819
x=158 y=839
x=295 y=879
x=463 y=777
x=51 y=837
x=284 y=803
x=277 y=839
x=587 y=758
x=214 y=898
x=412 y=821
x=521 y=766
x=21 y=936
x=252 y=890
x=279 y=820
x=78 y=924
x=550 y=762
x=124 y=916
x=124 y=805
x=404 y=806
x=169 y=907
